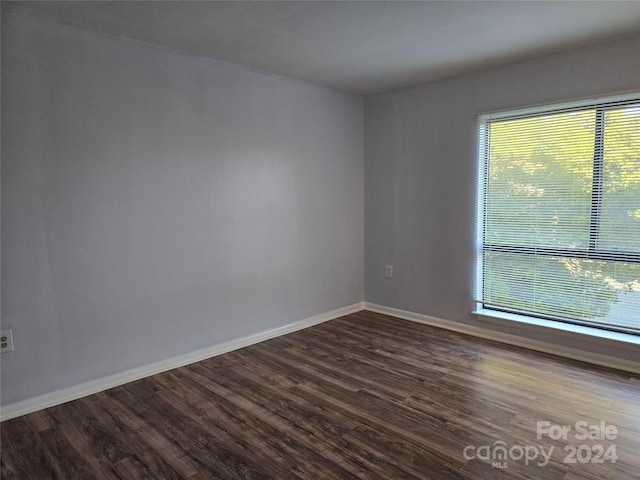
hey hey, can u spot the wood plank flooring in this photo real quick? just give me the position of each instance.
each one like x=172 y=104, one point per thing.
x=363 y=396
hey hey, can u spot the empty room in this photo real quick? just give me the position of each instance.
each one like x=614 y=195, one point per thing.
x=320 y=240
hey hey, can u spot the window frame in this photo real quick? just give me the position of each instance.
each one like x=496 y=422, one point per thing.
x=592 y=252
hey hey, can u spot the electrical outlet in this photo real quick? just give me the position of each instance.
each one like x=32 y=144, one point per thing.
x=388 y=271
x=6 y=341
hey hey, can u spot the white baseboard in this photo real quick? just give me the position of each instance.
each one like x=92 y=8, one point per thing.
x=84 y=389
x=518 y=341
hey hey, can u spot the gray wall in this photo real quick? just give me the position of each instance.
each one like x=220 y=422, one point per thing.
x=420 y=172
x=155 y=203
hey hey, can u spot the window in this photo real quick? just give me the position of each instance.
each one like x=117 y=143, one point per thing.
x=559 y=213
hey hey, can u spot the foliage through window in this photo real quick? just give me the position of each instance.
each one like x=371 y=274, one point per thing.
x=559 y=213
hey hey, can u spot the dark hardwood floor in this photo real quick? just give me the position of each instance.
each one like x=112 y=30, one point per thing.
x=363 y=396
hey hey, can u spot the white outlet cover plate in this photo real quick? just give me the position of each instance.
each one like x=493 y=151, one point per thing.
x=6 y=341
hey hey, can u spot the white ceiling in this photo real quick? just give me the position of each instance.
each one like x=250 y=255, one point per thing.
x=356 y=46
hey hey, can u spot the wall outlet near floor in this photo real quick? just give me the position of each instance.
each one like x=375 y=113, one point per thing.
x=6 y=341
x=388 y=271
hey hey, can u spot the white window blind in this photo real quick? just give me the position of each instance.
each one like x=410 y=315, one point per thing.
x=559 y=213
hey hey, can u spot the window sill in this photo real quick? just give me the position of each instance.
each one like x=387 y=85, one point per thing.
x=592 y=335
